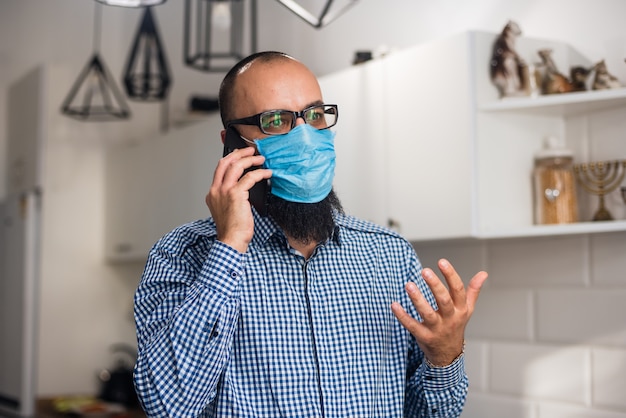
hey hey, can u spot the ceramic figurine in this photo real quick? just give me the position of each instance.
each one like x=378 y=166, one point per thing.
x=603 y=79
x=506 y=66
x=578 y=78
x=553 y=81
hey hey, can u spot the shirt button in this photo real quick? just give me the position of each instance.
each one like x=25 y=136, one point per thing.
x=233 y=274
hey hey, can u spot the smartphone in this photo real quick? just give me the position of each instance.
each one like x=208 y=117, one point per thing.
x=258 y=192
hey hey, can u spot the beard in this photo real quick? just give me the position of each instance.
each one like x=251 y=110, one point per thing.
x=305 y=222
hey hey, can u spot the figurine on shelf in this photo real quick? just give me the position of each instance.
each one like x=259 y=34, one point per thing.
x=553 y=81
x=506 y=66
x=604 y=80
x=578 y=78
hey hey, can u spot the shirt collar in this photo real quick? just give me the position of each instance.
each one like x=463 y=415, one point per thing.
x=265 y=228
x=336 y=235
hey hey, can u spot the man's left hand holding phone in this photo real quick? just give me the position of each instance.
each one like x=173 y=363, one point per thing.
x=228 y=197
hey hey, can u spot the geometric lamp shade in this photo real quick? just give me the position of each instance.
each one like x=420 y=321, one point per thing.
x=132 y=3
x=323 y=12
x=214 y=33
x=94 y=95
x=147 y=76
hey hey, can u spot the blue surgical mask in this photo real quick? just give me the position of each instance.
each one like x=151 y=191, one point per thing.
x=302 y=163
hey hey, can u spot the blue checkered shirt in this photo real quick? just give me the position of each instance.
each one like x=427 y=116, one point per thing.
x=270 y=334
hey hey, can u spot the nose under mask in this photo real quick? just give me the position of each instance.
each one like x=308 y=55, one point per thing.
x=302 y=163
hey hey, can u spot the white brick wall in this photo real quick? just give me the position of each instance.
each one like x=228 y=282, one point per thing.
x=548 y=337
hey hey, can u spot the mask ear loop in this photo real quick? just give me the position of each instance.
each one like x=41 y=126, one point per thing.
x=249 y=141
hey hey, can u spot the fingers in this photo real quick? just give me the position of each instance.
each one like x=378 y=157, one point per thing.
x=230 y=168
x=223 y=164
x=228 y=179
x=228 y=197
x=426 y=311
x=455 y=284
x=445 y=303
x=253 y=177
x=411 y=324
x=473 y=289
x=457 y=291
x=452 y=300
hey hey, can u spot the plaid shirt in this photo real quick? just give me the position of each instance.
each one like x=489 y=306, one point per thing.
x=270 y=334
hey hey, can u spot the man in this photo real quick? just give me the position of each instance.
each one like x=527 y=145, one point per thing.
x=305 y=312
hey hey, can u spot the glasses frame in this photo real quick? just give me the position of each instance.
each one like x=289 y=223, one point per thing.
x=255 y=120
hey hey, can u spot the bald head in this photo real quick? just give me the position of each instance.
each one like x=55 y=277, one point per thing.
x=264 y=81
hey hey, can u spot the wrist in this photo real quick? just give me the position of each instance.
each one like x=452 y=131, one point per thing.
x=445 y=363
x=240 y=245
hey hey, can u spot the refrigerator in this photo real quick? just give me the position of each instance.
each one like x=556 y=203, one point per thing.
x=20 y=224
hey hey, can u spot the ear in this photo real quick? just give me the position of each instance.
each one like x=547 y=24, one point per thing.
x=223 y=135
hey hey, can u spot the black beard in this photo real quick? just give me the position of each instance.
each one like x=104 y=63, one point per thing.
x=305 y=222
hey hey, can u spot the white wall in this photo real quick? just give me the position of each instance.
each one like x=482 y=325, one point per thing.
x=548 y=336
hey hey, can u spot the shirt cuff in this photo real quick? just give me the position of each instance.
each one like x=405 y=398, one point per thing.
x=440 y=378
x=222 y=268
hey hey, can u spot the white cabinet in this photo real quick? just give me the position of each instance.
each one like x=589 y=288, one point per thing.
x=360 y=175
x=429 y=136
x=452 y=160
x=158 y=184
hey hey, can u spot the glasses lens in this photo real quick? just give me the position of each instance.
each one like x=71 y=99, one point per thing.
x=320 y=117
x=276 y=122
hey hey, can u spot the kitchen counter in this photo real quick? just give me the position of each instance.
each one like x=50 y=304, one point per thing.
x=45 y=409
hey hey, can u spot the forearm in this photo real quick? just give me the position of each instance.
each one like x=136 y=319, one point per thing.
x=185 y=337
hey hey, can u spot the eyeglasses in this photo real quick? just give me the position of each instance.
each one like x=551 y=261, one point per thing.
x=278 y=122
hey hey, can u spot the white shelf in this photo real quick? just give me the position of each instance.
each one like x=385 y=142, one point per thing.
x=560 y=229
x=566 y=104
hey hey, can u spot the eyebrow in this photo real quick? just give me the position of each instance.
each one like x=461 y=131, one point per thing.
x=315 y=103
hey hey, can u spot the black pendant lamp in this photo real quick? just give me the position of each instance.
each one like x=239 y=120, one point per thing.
x=147 y=76
x=132 y=3
x=215 y=31
x=94 y=95
x=325 y=14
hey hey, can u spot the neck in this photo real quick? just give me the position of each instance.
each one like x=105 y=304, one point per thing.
x=306 y=249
